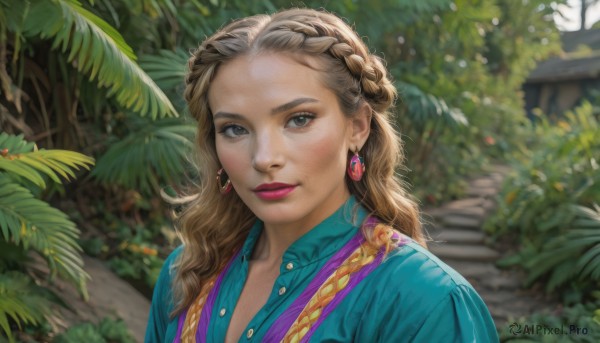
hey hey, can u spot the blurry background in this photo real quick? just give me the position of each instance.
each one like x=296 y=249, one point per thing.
x=93 y=128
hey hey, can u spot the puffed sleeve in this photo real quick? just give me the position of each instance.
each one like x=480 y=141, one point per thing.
x=460 y=317
x=161 y=303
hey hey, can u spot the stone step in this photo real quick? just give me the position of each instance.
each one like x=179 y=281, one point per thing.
x=464 y=252
x=475 y=212
x=502 y=282
x=463 y=203
x=460 y=236
x=483 y=182
x=484 y=192
x=461 y=222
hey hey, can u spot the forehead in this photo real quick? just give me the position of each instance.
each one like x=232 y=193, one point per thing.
x=265 y=80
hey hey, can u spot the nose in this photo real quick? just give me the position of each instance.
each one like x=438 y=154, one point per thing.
x=268 y=153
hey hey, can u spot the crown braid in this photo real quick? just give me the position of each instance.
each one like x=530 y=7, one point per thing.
x=309 y=32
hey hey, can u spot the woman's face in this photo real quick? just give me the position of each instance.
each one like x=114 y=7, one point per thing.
x=282 y=138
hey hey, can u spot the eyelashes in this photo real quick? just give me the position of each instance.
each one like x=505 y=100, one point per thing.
x=300 y=120
x=297 y=121
x=232 y=130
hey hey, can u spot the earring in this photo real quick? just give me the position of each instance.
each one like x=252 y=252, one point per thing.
x=226 y=187
x=356 y=167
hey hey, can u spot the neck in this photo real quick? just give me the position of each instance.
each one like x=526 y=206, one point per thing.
x=276 y=238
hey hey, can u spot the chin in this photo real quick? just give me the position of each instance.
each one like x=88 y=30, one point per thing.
x=278 y=214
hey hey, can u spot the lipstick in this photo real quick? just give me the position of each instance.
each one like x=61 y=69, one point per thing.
x=273 y=191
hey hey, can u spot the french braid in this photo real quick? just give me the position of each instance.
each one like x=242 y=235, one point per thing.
x=212 y=227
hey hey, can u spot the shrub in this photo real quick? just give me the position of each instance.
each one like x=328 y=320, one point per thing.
x=28 y=224
x=550 y=204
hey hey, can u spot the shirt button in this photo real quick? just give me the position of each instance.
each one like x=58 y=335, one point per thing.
x=289 y=266
x=222 y=312
x=282 y=291
x=250 y=333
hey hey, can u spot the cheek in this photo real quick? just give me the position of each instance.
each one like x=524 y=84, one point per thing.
x=325 y=154
x=232 y=159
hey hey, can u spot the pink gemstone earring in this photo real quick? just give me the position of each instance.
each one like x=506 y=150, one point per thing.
x=356 y=167
x=225 y=187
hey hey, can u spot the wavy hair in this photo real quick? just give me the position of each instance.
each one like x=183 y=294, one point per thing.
x=212 y=227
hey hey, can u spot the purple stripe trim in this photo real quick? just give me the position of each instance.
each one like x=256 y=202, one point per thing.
x=355 y=279
x=278 y=330
x=206 y=312
x=180 y=326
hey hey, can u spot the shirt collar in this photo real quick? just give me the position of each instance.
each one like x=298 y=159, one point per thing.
x=320 y=242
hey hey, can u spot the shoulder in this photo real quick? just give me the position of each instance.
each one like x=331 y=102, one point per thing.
x=423 y=300
x=410 y=264
x=422 y=283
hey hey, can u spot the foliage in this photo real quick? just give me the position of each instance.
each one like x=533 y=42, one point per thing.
x=108 y=330
x=550 y=204
x=94 y=48
x=579 y=316
x=138 y=261
x=136 y=257
x=69 y=79
x=134 y=251
x=32 y=222
x=161 y=147
x=21 y=302
x=28 y=223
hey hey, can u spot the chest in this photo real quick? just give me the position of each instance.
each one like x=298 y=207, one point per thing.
x=255 y=294
x=296 y=301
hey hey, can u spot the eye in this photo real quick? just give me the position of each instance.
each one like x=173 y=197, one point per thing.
x=300 y=120
x=232 y=131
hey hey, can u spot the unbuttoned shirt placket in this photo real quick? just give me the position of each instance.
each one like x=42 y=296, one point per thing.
x=282 y=295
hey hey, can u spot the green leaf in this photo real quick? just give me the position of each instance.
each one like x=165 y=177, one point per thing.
x=168 y=68
x=423 y=107
x=33 y=222
x=150 y=154
x=98 y=50
x=21 y=301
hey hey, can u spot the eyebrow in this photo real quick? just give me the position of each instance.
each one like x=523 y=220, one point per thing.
x=292 y=104
x=282 y=108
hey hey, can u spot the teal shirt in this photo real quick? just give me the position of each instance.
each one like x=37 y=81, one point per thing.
x=411 y=297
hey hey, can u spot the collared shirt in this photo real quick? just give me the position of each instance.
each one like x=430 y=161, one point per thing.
x=411 y=297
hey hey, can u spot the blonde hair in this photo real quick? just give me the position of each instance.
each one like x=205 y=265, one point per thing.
x=213 y=227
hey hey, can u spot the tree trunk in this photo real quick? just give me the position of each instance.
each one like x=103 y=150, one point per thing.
x=582 y=14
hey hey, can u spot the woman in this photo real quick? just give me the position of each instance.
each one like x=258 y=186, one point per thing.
x=300 y=230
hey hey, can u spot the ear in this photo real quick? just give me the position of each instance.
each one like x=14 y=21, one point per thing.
x=360 y=127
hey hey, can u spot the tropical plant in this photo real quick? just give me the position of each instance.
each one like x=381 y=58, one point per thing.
x=22 y=302
x=108 y=330
x=551 y=202
x=579 y=323
x=90 y=44
x=30 y=224
x=150 y=154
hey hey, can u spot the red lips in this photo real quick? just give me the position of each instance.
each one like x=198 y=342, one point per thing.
x=271 y=186
x=273 y=191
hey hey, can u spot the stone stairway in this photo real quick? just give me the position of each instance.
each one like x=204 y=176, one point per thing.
x=458 y=239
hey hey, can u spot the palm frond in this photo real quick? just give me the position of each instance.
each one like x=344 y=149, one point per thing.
x=18 y=158
x=34 y=223
x=424 y=107
x=148 y=155
x=95 y=48
x=22 y=301
x=574 y=254
x=168 y=68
